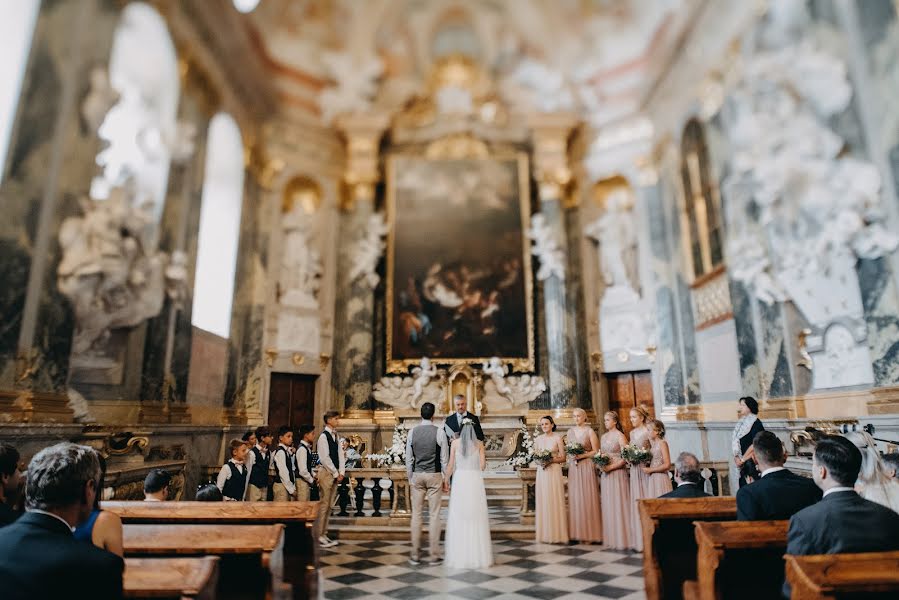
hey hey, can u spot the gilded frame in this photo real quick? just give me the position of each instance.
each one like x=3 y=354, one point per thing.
x=519 y=364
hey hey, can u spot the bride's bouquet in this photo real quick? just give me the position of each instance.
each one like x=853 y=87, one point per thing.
x=544 y=457
x=601 y=460
x=574 y=449
x=635 y=455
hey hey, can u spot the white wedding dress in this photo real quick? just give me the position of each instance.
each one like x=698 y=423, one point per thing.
x=468 y=544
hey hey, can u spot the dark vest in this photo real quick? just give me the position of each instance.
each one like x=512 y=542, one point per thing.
x=332 y=449
x=425 y=449
x=292 y=475
x=259 y=473
x=310 y=462
x=236 y=484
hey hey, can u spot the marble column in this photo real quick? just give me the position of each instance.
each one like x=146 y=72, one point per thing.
x=353 y=369
x=50 y=165
x=561 y=302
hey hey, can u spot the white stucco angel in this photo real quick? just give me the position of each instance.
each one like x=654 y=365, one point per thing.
x=356 y=82
x=368 y=250
x=422 y=377
x=497 y=372
x=615 y=234
x=546 y=249
x=100 y=98
x=301 y=266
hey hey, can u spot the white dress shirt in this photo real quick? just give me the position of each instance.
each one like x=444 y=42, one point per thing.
x=225 y=475
x=324 y=453
x=459 y=418
x=302 y=458
x=834 y=490
x=441 y=443
x=283 y=467
x=773 y=470
x=50 y=514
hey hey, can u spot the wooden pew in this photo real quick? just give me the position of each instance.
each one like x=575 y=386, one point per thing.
x=300 y=547
x=869 y=575
x=252 y=564
x=669 y=542
x=171 y=578
x=739 y=559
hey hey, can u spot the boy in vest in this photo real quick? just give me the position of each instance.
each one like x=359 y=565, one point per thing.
x=233 y=477
x=305 y=462
x=331 y=473
x=284 y=486
x=259 y=462
x=427 y=455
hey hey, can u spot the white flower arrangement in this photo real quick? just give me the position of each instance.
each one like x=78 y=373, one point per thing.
x=395 y=455
x=526 y=455
x=466 y=421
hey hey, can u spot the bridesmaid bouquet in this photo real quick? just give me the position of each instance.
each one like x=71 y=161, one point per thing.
x=574 y=449
x=601 y=460
x=544 y=457
x=635 y=455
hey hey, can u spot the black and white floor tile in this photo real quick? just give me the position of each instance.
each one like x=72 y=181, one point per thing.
x=522 y=569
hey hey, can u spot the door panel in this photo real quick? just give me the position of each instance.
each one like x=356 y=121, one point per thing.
x=627 y=390
x=291 y=400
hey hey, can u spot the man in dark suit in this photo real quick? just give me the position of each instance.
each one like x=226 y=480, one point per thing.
x=688 y=477
x=453 y=423
x=779 y=493
x=843 y=521
x=10 y=478
x=39 y=557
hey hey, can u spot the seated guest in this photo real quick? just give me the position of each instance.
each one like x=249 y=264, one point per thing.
x=843 y=521
x=233 y=478
x=779 y=493
x=688 y=477
x=875 y=480
x=10 y=477
x=102 y=528
x=156 y=486
x=39 y=557
x=209 y=493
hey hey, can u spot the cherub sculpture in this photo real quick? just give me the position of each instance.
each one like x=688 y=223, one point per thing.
x=423 y=375
x=497 y=372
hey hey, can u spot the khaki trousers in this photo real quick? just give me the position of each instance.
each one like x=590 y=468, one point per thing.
x=279 y=493
x=430 y=486
x=257 y=494
x=304 y=491
x=327 y=486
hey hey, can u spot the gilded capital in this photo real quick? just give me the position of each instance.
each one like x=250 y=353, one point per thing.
x=363 y=139
x=549 y=137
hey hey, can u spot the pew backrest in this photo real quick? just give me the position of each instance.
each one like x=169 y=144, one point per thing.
x=171 y=578
x=873 y=574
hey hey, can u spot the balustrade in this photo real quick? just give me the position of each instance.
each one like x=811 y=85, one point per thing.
x=363 y=488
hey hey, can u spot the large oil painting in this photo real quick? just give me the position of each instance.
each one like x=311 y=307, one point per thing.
x=459 y=286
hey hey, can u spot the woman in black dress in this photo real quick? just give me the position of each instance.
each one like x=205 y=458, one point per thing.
x=745 y=430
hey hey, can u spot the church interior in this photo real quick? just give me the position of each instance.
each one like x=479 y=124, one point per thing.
x=225 y=214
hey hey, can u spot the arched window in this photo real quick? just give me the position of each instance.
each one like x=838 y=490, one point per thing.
x=219 y=227
x=143 y=69
x=701 y=202
x=16 y=30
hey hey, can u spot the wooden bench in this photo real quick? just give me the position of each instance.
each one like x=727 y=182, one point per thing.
x=300 y=547
x=171 y=578
x=252 y=564
x=868 y=575
x=739 y=559
x=669 y=542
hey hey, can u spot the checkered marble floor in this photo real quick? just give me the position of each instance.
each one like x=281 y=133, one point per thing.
x=522 y=569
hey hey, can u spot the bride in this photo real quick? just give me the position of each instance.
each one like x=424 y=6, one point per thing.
x=468 y=544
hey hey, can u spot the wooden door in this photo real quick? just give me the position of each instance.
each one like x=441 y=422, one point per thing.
x=291 y=400
x=627 y=390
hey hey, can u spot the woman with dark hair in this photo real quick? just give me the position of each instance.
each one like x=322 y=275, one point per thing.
x=103 y=529
x=551 y=518
x=209 y=493
x=741 y=442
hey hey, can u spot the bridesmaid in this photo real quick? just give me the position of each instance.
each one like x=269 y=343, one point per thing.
x=551 y=525
x=584 y=520
x=639 y=480
x=616 y=492
x=659 y=480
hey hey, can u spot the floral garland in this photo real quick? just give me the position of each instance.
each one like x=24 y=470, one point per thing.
x=526 y=455
x=395 y=455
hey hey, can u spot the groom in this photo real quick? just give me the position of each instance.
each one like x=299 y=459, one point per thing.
x=453 y=423
x=427 y=455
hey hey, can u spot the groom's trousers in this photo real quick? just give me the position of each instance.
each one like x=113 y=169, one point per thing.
x=430 y=486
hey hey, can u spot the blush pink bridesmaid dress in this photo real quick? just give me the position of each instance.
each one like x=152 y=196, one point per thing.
x=584 y=520
x=657 y=483
x=551 y=518
x=616 y=498
x=639 y=486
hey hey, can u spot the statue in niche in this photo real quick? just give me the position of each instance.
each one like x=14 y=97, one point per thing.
x=368 y=250
x=404 y=392
x=546 y=249
x=301 y=267
x=615 y=234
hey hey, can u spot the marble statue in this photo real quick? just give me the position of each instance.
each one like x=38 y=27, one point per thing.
x=100 y=98
x=546 y=249
x=301 y=267
x=176 y=285
x=426 y=384
x=356 y=82
x=497 y=372
x=367 y=251
x=819 y=209
x=502 y=391
x=616 y=236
